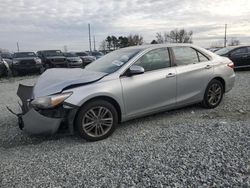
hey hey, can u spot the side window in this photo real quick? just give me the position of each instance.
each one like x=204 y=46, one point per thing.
x=185 y=55
x=155 y=59
x=239 y=51
x=202 y=58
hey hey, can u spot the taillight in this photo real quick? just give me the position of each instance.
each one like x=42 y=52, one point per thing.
x=231 y=65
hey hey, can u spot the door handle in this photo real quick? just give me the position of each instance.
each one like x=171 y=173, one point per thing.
x=169 y=75
x=208 y=67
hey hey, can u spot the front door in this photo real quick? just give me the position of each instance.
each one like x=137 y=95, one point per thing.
x=155 y=89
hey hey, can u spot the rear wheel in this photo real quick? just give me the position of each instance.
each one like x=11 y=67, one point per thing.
x=213 y=94
x=96 y=120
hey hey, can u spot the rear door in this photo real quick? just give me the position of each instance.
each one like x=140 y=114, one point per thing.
x=240 y=57
x=194 y=71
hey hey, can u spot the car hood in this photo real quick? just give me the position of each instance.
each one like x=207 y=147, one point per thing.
x=56 y=80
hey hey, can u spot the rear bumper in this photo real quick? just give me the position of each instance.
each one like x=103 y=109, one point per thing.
x=230 y=82
x=42 y=122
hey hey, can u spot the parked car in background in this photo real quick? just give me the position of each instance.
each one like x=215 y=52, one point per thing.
x=24 y=62
x=86 y=58
x=240 y=55
x=124 y=84
x=4 y=68
x=74 y=61
x=6 y=63
x=52 y=58
x=7 y=57
x=97 y=54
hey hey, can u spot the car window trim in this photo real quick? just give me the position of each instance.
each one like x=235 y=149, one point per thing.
x=167 y=50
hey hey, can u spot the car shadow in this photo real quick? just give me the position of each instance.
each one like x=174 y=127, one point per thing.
x=22 y=139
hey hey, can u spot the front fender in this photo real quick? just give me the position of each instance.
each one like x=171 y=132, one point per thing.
x=82 y=94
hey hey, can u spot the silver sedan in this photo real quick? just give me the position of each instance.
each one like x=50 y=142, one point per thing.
x=122 y=85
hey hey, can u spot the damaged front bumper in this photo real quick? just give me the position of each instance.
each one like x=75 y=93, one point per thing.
x=42 y=122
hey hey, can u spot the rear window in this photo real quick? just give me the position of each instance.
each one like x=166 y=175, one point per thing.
x=185 y=55
x=223 y=51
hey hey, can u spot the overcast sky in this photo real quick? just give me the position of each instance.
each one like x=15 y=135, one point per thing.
x=51 y=24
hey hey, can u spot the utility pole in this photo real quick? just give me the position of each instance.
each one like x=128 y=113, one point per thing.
x=225 y=38
x=17 y=47
x=65 y=48
x=89 y=39
x=94 y=43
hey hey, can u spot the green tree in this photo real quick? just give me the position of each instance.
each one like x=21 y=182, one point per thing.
x=134 y=40
x=109 y=41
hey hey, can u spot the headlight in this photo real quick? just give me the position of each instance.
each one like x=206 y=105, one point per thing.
x=50 y=101
x=38 y=60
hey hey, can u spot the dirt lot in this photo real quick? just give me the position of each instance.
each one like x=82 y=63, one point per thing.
x=186 y=147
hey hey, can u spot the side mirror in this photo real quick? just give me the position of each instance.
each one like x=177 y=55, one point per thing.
x=135 y=69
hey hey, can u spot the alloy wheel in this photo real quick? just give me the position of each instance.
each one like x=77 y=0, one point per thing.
x=97 y=121
x=214 y=94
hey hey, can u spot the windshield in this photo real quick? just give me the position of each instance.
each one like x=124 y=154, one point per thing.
x=223 y=51
x=54 y=53
x=24 y=54
x=112 y=61
x=6 y=55
x=70 y=55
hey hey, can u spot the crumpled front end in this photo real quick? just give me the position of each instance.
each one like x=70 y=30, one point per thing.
x=41 y=121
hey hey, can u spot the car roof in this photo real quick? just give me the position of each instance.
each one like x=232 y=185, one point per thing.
x=22 y=52
x=48 y=50
x=148 y=46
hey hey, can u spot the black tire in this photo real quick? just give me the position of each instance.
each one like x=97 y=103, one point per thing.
x=211 y=98
x=46 y=66
x=83 y=116
x=41 y=70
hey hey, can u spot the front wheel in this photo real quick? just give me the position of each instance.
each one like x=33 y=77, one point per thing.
x=41 y=70
x=96 y=120
x=213 y=94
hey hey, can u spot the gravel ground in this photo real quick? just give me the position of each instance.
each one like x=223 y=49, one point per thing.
x=189 y=147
